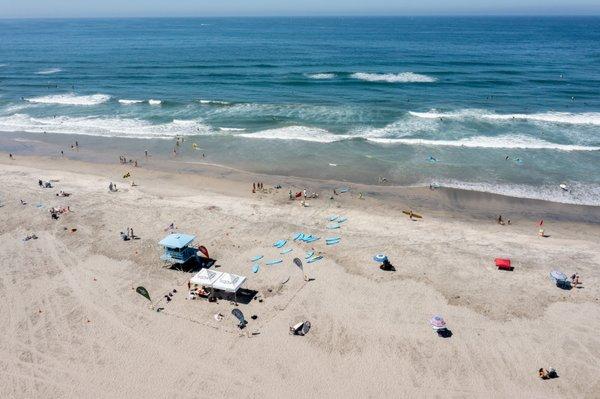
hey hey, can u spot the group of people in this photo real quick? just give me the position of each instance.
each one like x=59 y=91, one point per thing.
x=257 y=186
x=44 y=184
x=123 y=160
x=128 y=235
x=501 y=221
x=55 y=211
x=112 y=187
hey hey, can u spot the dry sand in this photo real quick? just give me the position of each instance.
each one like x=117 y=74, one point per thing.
x=71 y=325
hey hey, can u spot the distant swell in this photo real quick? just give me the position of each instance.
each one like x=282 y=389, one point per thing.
x=70 y=99
x=405 y=77
x=48 y=71
x=585 y=118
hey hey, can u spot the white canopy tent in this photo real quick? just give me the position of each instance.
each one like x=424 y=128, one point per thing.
x=206 y=277
x=229 y=282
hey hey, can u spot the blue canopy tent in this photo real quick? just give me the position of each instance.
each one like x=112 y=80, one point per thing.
x=177 y=249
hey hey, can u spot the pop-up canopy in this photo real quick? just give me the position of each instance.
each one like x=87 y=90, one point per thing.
x=229 y=282
x=206 y=277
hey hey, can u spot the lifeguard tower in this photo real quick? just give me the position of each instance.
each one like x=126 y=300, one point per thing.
x=177 y=249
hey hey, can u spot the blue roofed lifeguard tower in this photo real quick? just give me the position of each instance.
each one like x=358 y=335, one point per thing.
x=177 y=249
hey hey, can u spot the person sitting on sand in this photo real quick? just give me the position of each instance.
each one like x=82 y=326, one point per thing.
x=41 y=183
x=500 y=221
x=575 y=280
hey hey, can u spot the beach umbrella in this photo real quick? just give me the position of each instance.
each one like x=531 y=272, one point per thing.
x=558 y=275
x=240 y=316
x=298 y=263
x=380 y=258
x=143 y=292
x=437 y=322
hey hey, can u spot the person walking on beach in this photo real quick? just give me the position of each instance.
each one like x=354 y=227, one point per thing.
x=304 y=194
x=146 y=153
x=10 y=156
x=291 y=196
x=253 y=187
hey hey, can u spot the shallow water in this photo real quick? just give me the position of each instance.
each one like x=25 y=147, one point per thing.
x=415 y=100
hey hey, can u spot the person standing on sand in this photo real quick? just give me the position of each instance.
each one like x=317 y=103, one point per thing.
x=291 y=196
x=146 y=153
x=10 y=156
x=253 y=187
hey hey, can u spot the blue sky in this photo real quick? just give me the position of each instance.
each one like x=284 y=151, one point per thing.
x=170 y=8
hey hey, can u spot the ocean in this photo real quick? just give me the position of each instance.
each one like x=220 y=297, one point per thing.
x=509 y=105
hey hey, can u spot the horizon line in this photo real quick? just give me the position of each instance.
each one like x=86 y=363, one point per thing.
x=474 y=15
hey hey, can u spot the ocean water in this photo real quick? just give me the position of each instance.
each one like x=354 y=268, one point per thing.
x=415 y=100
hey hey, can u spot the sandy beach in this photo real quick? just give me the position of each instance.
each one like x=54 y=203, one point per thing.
x=72 y=325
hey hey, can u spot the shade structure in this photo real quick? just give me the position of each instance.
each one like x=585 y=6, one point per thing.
x=380 y=258
x=177 y=241
x=437 y=322
x=229 y=282
x=206 y=277
x=558 y=276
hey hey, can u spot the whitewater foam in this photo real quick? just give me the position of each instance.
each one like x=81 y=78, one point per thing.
x=508 y=141
x=154 y=102
x=213 y=102
x=321 y=76
x=129 y=102
x=584 y=118
x=302 y=133
x=404 y=77
x=48 y=71
x=582 y=194
x=105 y=127
x=232 y=129
x=70 y=99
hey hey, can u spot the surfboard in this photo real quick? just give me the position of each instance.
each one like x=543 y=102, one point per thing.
x=298 y=236
x=333 y=226
x=333 y=238
x=342 y=220
x=274 y=262
x=332 y=242
x=415 y=215
x=333 y=217
x=257 y=257
x=316 y=258
x=286 y=251
x=309 y=254
x=280 y=243
x=255 y=268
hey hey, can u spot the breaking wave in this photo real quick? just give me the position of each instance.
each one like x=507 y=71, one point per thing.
x=584 y=118
x=509 y=141
x=321 y=76
x=105 y=127
x=70 y=99
x=404 y=77
x=48 y=71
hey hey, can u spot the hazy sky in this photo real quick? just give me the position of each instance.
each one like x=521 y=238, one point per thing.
x=128 y=8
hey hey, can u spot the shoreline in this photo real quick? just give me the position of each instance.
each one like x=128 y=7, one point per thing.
x=104 y=150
